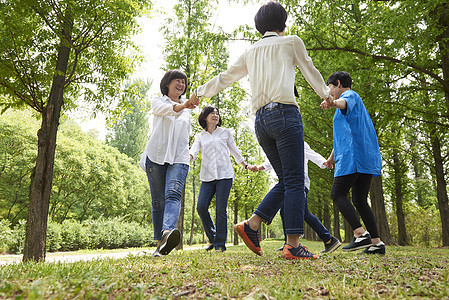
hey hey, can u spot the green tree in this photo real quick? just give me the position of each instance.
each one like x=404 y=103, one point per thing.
x=129 y=132
x=51 y=52
x=16 y=160
x=187 y=39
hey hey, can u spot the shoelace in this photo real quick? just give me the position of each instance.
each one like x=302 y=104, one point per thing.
x=253 y=235
x=303 y=251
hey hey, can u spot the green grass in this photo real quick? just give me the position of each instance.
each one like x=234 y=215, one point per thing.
x=404 y=272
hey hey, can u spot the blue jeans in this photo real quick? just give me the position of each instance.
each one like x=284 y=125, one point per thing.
x=216 y=234
x=166 y=184
x=280 y=133
x=313 y=222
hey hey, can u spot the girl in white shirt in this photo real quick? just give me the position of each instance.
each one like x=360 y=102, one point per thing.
x=166 y=158
x=216 y=174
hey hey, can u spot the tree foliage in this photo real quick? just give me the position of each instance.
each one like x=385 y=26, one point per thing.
x=91 y=180
x=129 y=131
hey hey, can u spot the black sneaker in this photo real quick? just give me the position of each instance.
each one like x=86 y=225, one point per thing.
x=332 y=246
x=169 y=241
x=156 y=252
x=220 y=248
x=280 y=249
x=376 y=249
x=363 y=241
x=210 y=247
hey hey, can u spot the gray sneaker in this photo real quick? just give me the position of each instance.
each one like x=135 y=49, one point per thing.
x=169 y=241
x=332 y=246
x=363 y=241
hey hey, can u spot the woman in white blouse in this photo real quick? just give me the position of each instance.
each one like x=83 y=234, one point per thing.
x=166 y=158
x=270 y=64
x=216 y=174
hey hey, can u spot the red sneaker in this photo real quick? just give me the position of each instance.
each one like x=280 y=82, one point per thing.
x=249 y=236
x=289 y=252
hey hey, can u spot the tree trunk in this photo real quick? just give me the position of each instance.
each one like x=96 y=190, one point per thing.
x=326 y=216
x=348 y=232
x=193 y=206
x=398 y=196
x=443 y=205
x=236 y=220
x=42 y=175
x=336 y=222
x=418 y=174
x=180 y=224
x=442 y=196
x=378 y=206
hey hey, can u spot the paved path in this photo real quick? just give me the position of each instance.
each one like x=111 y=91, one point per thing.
x=70 y=257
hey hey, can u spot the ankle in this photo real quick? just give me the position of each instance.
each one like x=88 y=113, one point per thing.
x=254 y=223
x=375 y=241
x=359 y=232
x=293 y=240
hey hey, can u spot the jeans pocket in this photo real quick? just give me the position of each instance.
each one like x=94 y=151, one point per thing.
x=274 y=122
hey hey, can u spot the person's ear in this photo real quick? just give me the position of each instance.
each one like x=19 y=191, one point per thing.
x=338 y=83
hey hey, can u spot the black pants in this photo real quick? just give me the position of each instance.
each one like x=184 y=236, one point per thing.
x=360 y=184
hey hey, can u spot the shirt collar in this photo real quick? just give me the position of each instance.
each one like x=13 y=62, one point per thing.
x=270 y=33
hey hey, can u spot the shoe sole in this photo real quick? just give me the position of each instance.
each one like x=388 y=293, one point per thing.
x=171 y=242
x=374 y=253
x=356 y=248
x=314 y=257
x=332 y=249
x=245 y=238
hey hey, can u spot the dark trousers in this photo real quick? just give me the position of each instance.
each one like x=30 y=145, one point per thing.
x=360 y=184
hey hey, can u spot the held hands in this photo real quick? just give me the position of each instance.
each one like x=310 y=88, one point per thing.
x=327 y=102
x=329 y=164
x=189 y=104
x=253 y=168
x=194 y=100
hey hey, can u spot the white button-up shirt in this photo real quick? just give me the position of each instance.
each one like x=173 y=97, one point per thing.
x=270 y=64
x=309 y=154
x=169 y=140
x=215 y=149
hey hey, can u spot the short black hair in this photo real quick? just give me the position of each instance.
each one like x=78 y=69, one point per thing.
x=168 y=77
x=270 y=17
x=204 y=113
x=344 y=77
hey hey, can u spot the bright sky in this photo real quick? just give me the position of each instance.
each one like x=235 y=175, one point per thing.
x=151 y=42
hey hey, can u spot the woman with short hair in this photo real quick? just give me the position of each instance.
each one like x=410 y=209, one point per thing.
x=166 y=158
x=271 y=63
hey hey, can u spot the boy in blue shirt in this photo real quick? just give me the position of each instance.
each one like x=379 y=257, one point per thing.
x=357 y=159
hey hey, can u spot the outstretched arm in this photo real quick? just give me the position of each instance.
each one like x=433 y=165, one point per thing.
x=330 y=102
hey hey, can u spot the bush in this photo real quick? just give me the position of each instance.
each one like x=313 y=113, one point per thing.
x=72 y=235
x=17 y=241
x=425 y=226
x=115 y=233
x=6 y=235
x=54 y=238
